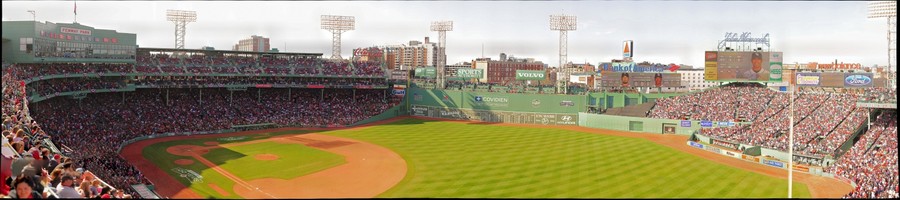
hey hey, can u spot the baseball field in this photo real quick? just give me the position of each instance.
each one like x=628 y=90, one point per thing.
x=414 y=157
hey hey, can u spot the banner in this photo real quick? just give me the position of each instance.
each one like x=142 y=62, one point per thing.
x=724 y=144
x=637 y=79
x=773 y=163
x=399 y=92
x=775 y=67
x=750 y=158
x=695 y=144
x=808 y=79
x=858 y=80
x=705 y=123
x=531 y=75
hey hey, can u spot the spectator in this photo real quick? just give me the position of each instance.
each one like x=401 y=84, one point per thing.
x=24 y=189
x=66 y=188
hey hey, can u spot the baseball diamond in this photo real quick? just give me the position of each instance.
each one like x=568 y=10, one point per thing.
x=106 y=107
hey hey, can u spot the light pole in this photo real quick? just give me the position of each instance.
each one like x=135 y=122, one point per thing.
x=33 y=18
x=791 y=146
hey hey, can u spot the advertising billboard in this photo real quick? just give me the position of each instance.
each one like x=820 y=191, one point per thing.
x=634 y=67
x=628 y=51
x=531 y=75
x=832 y=79
x=775 y=67
x=858 y=80
x=400 y=74
x=743 y=66
x=711 y=70
x=624 y=79
x=809 y=78
x=427 y=72
x=468 y=73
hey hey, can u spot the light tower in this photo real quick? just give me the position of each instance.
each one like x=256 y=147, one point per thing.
x=562 y=23
x=441 y=27
x=888 y=9
x=180 y=18
x=337 y=25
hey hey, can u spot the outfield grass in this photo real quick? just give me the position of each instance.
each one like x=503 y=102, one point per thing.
x=295 y=160
x=448 y=159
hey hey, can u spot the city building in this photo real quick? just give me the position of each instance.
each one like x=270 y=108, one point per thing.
x=411 y=55
x=504 y=72
x=36 y=42
x=693 y=79
x=255 y=44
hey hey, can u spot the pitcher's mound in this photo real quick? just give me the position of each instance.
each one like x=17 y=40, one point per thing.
x=266 y=156
x=184 y=161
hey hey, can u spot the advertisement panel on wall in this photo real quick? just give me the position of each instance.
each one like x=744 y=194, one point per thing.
x=743 y=66
x=809 y=78
x=468 y=73
x=426 y=72
x=624 y=79
x=531 y=75
x=858 y=80
x=400 y=74
x=832 y=79
x=711 y=70
x=628 y=51
x=775 y=67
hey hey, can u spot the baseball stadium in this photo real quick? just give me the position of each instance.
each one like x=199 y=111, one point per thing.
x=88 y=113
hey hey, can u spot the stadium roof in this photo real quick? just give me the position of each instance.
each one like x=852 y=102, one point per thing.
x=228 y=51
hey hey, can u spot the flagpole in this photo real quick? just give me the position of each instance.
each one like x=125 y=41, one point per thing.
x=76 y=11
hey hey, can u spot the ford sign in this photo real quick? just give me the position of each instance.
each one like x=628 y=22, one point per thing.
x=857 y=80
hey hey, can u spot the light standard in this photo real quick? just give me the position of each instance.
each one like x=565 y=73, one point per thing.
x=33 y=18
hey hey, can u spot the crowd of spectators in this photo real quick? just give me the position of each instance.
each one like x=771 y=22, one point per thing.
x=877 y=95
x=28 y=71
x=872 y=162
x=736 y=102
x=207 y=64
x=220 y=81
x=30 y=169
x=368 y=68
x=57 y=86
x=340 y=68
x=822 y=121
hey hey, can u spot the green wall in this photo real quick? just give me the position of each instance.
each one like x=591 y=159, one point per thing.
x=539 y=103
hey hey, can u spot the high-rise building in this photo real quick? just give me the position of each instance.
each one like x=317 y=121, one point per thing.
x=415 y=54
x=255 y=44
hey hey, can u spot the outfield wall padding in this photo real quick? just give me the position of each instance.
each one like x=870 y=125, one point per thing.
x=636 y=124
x=495 y=101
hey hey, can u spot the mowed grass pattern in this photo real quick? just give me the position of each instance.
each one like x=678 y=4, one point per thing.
x=450 y=159
x=240 y=162
x=294 y=160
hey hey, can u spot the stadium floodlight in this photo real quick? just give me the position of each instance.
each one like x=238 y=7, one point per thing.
x=33 y=16
x=441 y=27
x=563 y=24
x=888 y=9
x=337 y=25
x=180 y=18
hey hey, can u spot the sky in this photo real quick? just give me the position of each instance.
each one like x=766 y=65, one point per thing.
x=663 y=31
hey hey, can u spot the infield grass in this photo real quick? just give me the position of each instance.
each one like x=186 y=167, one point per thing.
x=294 y=160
